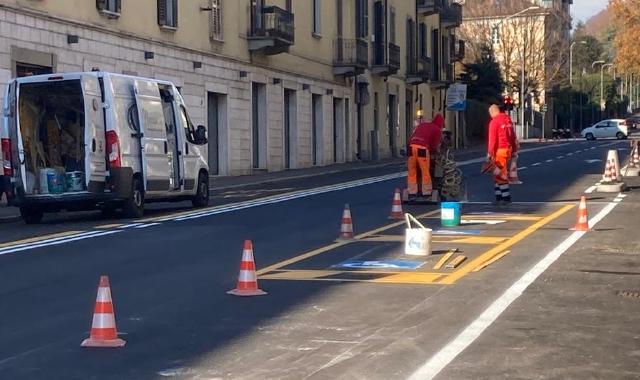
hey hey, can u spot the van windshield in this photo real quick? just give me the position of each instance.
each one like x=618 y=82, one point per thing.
x=51 y=122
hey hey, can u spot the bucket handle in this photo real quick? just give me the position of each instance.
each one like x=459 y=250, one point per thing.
x=408 y=217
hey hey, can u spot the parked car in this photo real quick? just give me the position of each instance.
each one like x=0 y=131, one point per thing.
x=607 y=128
x=633 y=121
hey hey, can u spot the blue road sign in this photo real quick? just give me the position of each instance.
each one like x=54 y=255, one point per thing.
x=379 y=264
x=457 y=232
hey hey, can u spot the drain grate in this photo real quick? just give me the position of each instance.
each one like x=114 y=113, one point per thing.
x=629 y=294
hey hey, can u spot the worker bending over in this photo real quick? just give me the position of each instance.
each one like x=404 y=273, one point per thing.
x=424 y=141
x=502 y=145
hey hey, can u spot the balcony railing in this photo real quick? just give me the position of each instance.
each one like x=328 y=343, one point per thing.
x=418 y=69
x=272 y=28
x=386 y=60
x=451 y=15
x=429 y=7
x=349 y=56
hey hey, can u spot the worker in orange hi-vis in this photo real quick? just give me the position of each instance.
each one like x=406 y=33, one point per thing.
x=502 y=145
x=424 y=141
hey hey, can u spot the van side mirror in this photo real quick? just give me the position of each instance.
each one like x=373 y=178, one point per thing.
x=201 y=135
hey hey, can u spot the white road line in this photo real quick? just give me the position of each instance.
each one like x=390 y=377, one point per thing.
x=132 y=225
x=549 y=160
x=523 y=168
x=447 y=354
x=55 y=241
x=560 y=157
x=536 y=164
x=569 y=154
x=578 y=151
x=591 y=189
x=147 y=225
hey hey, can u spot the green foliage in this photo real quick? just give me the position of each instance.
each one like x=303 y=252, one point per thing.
x=483 y=78
x=477 y=120
x=584 y=54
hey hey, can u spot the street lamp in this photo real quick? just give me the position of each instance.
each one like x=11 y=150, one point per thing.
x=523 y=60
x=602 y=103
x=571 y=60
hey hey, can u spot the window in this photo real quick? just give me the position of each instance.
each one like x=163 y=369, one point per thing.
x=362 y=19
x=316 y=16
x=216 y=20
x=423 y=40
x=168 y=13
x=392 y=25
x=109 y=6
x=288 y=6
x=495 y=35
x=189 y=130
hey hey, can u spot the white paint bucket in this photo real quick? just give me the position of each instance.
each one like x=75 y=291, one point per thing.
x=417 y=241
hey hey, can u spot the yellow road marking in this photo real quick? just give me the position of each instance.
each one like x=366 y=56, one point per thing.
x=409 y=278
x=441 y=239
x=491 y=261
x=107 y=226
x=386 y=277
x=455 y=262
x=444 y=259
x=336 y=245
x=502 y=247
x=39 y=238
x=500 y=217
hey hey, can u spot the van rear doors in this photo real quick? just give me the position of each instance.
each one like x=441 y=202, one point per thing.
x=94 y=136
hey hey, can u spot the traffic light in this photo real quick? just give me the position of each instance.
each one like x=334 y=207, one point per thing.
x=508 y=104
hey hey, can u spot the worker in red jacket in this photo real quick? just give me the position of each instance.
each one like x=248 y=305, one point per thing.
x=502 y=145
x=424 y=141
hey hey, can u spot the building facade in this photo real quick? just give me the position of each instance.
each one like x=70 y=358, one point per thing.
x=531 y=36
x=279 y=84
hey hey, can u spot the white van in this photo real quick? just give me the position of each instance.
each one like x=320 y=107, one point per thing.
x=81 y=141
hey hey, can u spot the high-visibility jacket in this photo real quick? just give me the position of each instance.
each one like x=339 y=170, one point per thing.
x=502 y=135
x=428 y=134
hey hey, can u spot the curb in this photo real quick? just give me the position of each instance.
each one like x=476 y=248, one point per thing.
x=10 y=219
x=308 y=175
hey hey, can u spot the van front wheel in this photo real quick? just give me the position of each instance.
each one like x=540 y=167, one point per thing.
x=31 y=215
x=134 y=206
x=202 y=196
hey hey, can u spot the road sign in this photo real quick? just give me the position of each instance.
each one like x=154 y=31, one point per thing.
x=380 y=264
x=481 y=221
x=457 y=97
x=544 y=108
x=458 y=232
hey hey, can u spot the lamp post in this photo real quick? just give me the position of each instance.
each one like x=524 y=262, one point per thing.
x=602 y=103
x=523 y=60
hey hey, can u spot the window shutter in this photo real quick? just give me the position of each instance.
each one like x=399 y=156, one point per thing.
x=101 y=4
x=175 y=13
x=118 y=6
x=162 y=12
x=216 y=19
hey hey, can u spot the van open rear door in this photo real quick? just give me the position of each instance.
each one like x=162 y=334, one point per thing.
x=156 y=165
x=94 y=136
x=11 y=114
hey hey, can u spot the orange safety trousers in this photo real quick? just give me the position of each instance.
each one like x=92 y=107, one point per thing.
x=419 y=157
x=501 y=159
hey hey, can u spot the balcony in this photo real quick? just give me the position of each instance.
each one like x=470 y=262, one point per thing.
x=272 y=30
x=429 y=7
x=451 y=16
x=349 y=56
x=386 y=61
x=418 y=70
x=458 y=52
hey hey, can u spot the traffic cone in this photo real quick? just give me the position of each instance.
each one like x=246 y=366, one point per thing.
x=346 y=229
x=582 y=220
x=614 y=172
x=513 y=174
x=636 y=155
x=607 y=173
x=396 y=207
x=247 y=281
x=103 y=328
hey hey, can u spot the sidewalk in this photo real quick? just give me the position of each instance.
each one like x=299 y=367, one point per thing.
x=10 y=214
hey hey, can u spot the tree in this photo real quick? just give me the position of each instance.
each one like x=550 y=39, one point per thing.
x=626 y=14
x=584 y=54
x=538 y=36
x=483 y=78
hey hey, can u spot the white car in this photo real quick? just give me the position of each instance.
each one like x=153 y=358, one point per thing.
x=607 y=128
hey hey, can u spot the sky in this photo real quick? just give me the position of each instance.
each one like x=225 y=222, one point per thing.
x=583 y=9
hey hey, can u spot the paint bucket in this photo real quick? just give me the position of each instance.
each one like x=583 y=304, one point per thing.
x=56 y=183
x=44 y=180
x=450 y=214
x=417 y=241
x=75 y=181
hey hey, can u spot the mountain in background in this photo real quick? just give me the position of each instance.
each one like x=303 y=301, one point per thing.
x=598 y=24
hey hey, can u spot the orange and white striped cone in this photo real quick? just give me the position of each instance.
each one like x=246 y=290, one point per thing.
x=614 y=172
x=636 y=155
x=607 y=173
x=513 y=174
x=396 y=207
x=103 y=329
x=346 y=229
x=582 y=219
x=247 y=281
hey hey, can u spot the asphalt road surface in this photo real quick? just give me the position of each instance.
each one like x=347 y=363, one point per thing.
x=356 y=310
